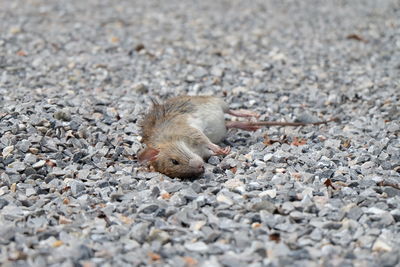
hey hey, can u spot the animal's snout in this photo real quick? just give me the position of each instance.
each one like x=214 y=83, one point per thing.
x=201 y=168
x=197 y=165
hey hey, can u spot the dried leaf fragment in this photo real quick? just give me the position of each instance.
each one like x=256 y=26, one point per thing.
x=356 y=37
x=328 y=183
x=268 y=141
x=57 y=243
x=298 y=141
x=346 y=143
x=21 y=53
x=190 y=261
x=275 y=237
x=51 y=163
x=114 y=40
x=166 y=195
x=154 y=256
x=139 y=47
x=104 y=216
x=65 y=189
x=384 y=183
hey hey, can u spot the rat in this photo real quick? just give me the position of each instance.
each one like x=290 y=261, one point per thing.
x=185 y=130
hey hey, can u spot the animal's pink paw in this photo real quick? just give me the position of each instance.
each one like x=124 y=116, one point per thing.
x=219 y=150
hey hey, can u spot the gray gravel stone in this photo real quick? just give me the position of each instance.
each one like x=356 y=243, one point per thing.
x=264 y=205
x=24 y=145
x=197 y=247
x=355 y=213
x=39 y=164
x=159 y=235
x=391 y=192
x=62 y=115
x=148 y=208
x=77 y=188
x=30 y=158
x=15 y=167
x=3 y=203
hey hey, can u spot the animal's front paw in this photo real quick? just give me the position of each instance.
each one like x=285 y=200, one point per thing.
x=217 y=150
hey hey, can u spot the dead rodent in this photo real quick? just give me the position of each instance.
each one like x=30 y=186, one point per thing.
x=184 y=131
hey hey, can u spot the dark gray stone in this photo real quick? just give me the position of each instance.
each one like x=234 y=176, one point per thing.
x=391 y=192
x=3 y=203
x=148 y=208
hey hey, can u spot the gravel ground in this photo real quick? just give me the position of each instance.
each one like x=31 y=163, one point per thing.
x=75 y=77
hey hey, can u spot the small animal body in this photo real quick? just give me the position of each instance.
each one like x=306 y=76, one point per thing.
x=184 y=131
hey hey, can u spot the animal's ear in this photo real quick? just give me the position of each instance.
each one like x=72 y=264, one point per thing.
x=148 y=154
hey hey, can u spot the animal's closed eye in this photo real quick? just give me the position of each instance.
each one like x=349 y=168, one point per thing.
x=175 y=162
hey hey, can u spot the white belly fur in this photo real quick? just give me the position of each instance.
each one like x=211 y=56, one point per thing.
x=210 y=120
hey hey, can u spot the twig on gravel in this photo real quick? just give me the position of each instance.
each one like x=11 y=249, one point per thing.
x=384 y=183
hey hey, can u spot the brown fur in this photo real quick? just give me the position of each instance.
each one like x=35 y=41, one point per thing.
x=170 y=116
x=164 y=126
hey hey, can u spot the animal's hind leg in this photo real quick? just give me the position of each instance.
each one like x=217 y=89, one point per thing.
x=204 y=141
x=243 y=125
x=243 y=113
